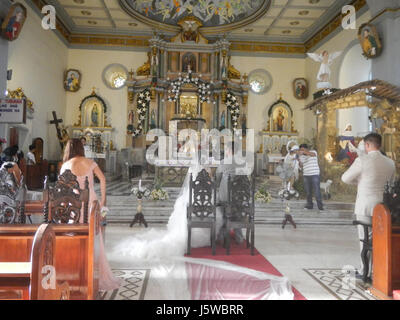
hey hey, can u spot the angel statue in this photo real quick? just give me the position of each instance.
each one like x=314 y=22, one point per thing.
x=324 y=72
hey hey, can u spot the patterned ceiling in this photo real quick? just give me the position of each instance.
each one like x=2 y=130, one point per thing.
x=291 y=21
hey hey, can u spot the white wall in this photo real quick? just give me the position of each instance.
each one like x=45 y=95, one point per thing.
x=357 y=117
x=91 y=64
x=283 y=72
x=38 y=59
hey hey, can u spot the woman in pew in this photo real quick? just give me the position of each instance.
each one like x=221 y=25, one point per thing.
x=74 y=160
x=10 y=160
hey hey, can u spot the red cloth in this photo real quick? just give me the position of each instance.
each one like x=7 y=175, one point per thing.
x=240 y=256
x=396 y=295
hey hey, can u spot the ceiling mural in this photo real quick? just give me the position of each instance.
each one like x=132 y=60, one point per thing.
x=210 y=12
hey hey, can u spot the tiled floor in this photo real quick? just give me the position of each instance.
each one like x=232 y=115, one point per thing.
x=305 y=255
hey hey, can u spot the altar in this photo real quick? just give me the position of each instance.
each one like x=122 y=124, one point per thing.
x=93 y=126
x=278 y=135
x=186 y=83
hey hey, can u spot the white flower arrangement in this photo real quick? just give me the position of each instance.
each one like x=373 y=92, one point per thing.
x=262 y=195
x=159 y=194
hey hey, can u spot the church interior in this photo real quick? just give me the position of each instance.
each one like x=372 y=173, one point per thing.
x=287 y=80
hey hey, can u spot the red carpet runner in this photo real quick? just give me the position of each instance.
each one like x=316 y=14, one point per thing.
x=240 y=256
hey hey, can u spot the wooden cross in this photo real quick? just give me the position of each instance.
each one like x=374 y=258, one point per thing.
x=56 y=121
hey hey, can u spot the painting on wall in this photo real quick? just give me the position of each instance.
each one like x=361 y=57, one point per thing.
x=300 y=88
x=280 y=117
x=72 y=80
x=13 y=23
x=370 y=42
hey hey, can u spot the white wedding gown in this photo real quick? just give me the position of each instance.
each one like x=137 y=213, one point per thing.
x=163 y=251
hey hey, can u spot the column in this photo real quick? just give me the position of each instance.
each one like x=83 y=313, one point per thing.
x=165 y=64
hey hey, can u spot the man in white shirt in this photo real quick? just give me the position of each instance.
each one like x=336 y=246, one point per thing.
x=370 y=172
x=30 y=156
x=311 y=175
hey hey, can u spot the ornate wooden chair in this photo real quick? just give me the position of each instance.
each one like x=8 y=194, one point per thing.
x=63 y=203
x=239 y=211
x=201 y=211
x=12 y=198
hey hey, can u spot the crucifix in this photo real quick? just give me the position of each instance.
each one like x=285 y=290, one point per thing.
x=56 y=121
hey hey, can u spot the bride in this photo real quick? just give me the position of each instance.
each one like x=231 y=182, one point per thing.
x=164 y=251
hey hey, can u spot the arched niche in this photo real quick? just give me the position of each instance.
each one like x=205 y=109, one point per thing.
x=354 y=69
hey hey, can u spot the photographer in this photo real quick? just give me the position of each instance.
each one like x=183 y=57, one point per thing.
x=311 y=174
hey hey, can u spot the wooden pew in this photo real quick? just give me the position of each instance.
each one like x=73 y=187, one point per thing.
x=385 y=254
x=35 y=174
x=27 y=280
x=77 y=252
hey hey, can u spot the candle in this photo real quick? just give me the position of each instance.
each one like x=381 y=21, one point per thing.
x=140 y=184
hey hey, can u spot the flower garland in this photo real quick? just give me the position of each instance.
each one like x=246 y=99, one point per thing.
x=233 y=106
x=143 y=104
x=204 y=88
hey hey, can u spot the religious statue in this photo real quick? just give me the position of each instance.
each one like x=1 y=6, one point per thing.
x=387 y=132
x=95 y=116
x=131 y=117
x=224 y=69
x=189 y=63
x=345 y=139
x=154 y=62
x=223 y=119
x=189 y=34
x=153 y=120
x=144 y=70
x=64 y=138
x=279 y=121
x=324 y=72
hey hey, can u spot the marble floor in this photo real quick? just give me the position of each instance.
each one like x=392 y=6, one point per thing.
x=311 y=257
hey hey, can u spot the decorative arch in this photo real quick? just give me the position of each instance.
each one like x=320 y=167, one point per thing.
x=280 y=116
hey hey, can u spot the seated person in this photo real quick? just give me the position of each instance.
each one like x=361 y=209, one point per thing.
x=10 y=161
x=30 y=156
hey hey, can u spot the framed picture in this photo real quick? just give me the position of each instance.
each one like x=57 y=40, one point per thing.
x=370 y=42
x=300 y=88
x=14 y=21
x=72 y=80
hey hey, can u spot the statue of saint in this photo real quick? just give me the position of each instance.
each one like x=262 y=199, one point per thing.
x=95 y=116
x=345 y=139
x=64 y=138
x=189 y=63
x=224 y=68
x=279 y=121
x=223 y=119
x=153 y=120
